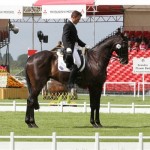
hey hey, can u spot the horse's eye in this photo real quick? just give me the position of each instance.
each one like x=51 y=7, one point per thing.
x=118 y=46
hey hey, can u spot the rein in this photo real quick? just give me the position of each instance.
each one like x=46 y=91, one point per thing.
x=115 y=57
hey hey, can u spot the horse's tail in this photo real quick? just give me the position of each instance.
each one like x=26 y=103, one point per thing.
x=27 y=79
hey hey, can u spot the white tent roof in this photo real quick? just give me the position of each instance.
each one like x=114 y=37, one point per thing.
x=122 y=2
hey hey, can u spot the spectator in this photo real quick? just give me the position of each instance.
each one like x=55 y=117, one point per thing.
x=130 y=45
x=135 y=46
x=143 y=46
x=139 y=39
x=132 y=38
x=148 y=45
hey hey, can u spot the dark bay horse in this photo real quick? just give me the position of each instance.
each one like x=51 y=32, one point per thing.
x=42 y=66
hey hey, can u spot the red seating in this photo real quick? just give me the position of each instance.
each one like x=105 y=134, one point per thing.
x=138 y=33
x=123 y=73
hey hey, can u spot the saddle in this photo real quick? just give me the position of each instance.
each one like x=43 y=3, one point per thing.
x=62 y=66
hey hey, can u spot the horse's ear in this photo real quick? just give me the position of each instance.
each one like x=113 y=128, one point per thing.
x=122 y=35
x=59 y=44
x=125 y=37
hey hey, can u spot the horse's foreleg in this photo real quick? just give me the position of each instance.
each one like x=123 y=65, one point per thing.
x=92 y=116
x=97 y=106
x=97 y=121
x=92 y=106
x=95 y=94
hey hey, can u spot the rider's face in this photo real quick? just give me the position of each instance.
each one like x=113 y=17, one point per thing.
x=76 y=19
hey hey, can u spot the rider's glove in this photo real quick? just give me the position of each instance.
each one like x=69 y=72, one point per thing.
x=69 y=50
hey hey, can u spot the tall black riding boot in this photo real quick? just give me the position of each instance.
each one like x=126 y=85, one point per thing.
x=72 y=77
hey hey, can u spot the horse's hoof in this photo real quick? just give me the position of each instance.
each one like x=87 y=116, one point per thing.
x=29 y=125
x=94 y=125
x=34 y=125
x=99 y=125
x=36 y=106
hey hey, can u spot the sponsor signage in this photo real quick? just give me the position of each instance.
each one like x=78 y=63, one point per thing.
x=61 y=11
x=141 y=65
x=11 y=12
x=3 y=79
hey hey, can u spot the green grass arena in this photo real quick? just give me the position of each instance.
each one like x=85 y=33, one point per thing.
x=114 y=124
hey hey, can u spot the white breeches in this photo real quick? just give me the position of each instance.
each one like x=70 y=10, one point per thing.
x=76 y=57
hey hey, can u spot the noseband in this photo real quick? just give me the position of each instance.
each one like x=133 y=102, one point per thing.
x=120 y=48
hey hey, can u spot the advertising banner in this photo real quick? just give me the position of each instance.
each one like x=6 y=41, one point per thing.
x=141 y=65
x=61 y=11
x=11 y=12
x=3 y=79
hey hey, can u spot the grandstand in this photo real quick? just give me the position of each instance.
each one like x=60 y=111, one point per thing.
x=117 y=72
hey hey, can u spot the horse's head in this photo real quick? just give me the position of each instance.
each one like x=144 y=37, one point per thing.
x=121 y=48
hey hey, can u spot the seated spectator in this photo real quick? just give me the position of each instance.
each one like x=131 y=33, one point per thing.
x=148 y=45
x=141 y=38
x=138 y=39
x=130 y=45
x=143 y=46
x=135 y=46
x=132 y=38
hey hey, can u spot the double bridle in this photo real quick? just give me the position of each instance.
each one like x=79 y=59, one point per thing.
x=115 y=57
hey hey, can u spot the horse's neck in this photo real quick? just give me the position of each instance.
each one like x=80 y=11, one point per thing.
x=102 y=54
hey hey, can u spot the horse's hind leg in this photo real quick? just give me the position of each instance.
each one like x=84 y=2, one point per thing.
x=29 y=119
x=32 y=103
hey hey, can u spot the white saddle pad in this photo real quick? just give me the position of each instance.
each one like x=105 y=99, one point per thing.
x=62 y=64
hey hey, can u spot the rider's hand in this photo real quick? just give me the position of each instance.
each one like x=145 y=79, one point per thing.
x=69 y=50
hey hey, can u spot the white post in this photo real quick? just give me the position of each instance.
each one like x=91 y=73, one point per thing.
x=134 y=89
x=85 y=109
x=12 y=142
x=138 y=89
x=104 y=89
x=109 y=107
x=143 y=88
x=54 y=144
x=140 y=141
x=96 y=141
x=61 y=105
x=14 y=105
x=133 y=108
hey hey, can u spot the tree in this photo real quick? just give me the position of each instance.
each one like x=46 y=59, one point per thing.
x=22 y=59
x=7 y=58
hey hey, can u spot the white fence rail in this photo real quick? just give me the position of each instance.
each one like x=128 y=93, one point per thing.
x=141 y=84
x=132 y=84
x=135 y=86
x=62 y=107
x=96 y=145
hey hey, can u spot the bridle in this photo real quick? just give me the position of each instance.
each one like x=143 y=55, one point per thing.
x=116 y=57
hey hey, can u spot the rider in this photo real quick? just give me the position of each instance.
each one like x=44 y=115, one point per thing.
x=71 y=42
